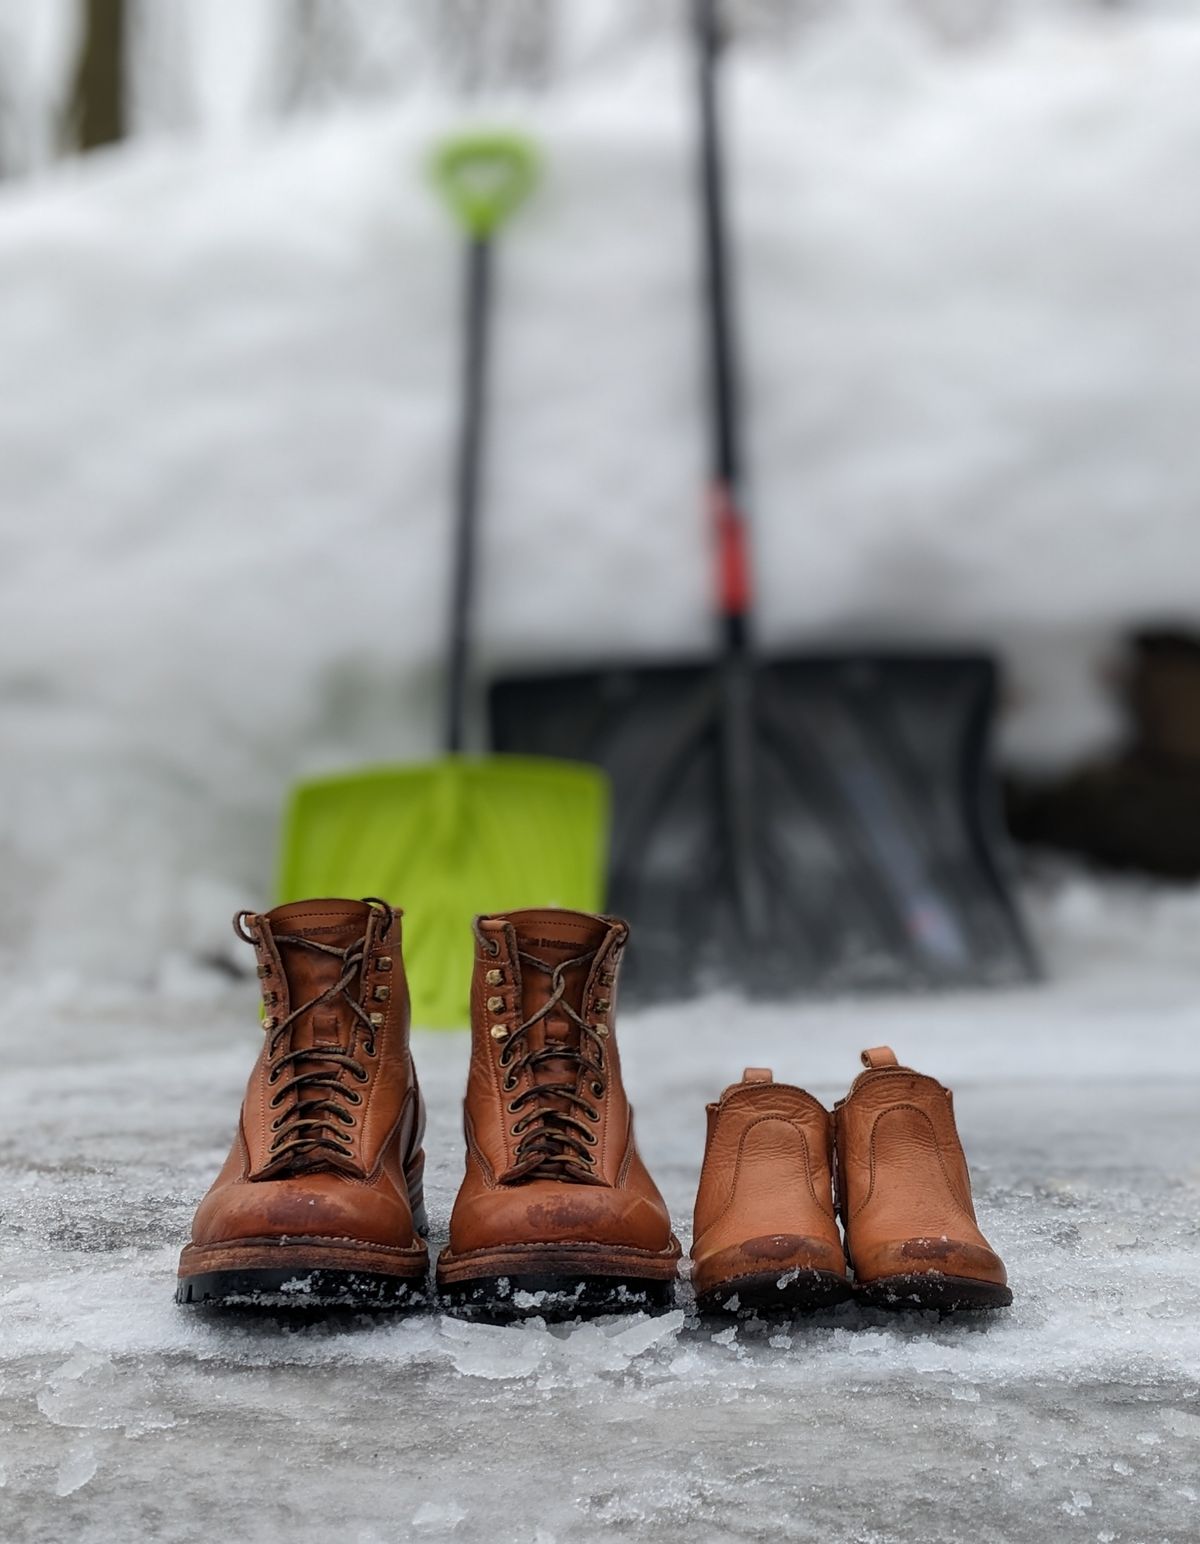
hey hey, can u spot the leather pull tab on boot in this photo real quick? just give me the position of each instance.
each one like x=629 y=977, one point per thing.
x=879 y=1056
x=758 y=1075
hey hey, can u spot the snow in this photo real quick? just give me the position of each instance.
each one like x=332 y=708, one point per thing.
x=971 y=320
x=1075 y=1414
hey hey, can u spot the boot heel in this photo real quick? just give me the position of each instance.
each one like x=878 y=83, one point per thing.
x=415 y=1178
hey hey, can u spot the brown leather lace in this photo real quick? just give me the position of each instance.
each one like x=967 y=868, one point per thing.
x=317 y=1121
x=551 y=1135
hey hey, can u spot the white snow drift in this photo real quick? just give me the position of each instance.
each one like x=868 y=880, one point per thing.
x=972 y=359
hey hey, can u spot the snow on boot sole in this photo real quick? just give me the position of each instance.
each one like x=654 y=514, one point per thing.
x=559 y=1281
x=302 y=1274
x=932 y=1289
x=775 y=1293
x=554 y=1297
x=300 y=1291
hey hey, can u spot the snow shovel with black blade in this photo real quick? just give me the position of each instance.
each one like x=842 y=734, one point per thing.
x=815 y=824
x=465 y=834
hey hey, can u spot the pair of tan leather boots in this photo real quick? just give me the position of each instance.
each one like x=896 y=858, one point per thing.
x=779 y=1169
x=321 y=1204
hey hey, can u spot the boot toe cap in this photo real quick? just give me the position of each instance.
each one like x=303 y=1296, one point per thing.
x=777 y=1252
x=544 y=1212
x=318 y=1207
x=939 y=1256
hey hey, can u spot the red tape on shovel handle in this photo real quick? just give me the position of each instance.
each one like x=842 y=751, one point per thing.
x=733 y=559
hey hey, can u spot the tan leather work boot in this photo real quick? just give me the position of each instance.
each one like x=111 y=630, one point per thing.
x=766 y=1237
x=905 y=1195
x=556 y=1214
x=320 y=1202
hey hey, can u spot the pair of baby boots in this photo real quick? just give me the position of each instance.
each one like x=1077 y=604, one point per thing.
x=781 y=1171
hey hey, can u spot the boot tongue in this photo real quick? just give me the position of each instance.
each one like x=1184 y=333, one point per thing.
x=553 y=937
x=337 y=925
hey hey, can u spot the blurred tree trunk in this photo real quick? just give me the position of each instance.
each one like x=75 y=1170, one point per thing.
x=322 y=61
x=484 y=43
x=96 y=115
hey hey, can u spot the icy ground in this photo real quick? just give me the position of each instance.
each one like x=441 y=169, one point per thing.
x=1076 y=1416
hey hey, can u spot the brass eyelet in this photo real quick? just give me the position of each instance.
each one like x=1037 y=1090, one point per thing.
x=352 y=1096
x=589 y=1138
x=508 y=1085
x=598 y=1090
x=363 y=1077
x=494 y=947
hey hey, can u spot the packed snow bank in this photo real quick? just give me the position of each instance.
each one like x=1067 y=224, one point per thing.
x=972 y=360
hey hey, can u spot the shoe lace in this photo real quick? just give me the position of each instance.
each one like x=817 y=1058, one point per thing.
x=316 y=1123
x=551 y=1134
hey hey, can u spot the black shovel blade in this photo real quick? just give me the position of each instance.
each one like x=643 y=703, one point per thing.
x=873 y=825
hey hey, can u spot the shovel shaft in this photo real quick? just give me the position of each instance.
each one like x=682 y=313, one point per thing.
x=736 y=693
x=466 y=500
x=733 y=586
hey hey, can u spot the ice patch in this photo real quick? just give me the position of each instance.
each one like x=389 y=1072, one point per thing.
x=91 y=1391
x=75 y=1470
x=559 y=1354
x=438 y=1517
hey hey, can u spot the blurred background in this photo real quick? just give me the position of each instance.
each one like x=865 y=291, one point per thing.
x=970 y=304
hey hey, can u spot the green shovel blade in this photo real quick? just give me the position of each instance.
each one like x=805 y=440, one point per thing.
x=445 y=841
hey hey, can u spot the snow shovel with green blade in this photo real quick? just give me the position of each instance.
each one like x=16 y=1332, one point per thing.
x=464 y=834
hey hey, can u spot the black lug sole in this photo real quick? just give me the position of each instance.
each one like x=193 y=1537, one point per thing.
x=772 y=1294
x=932 y=1289
x=293 y=1288
x=546 y=1296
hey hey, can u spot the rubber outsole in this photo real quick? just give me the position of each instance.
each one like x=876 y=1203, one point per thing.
x=931 y=1289
x=302 y=1290
x=552 y=1296
x=768 y=1294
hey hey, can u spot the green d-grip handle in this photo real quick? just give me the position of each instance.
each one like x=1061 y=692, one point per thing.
x=484 y=178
